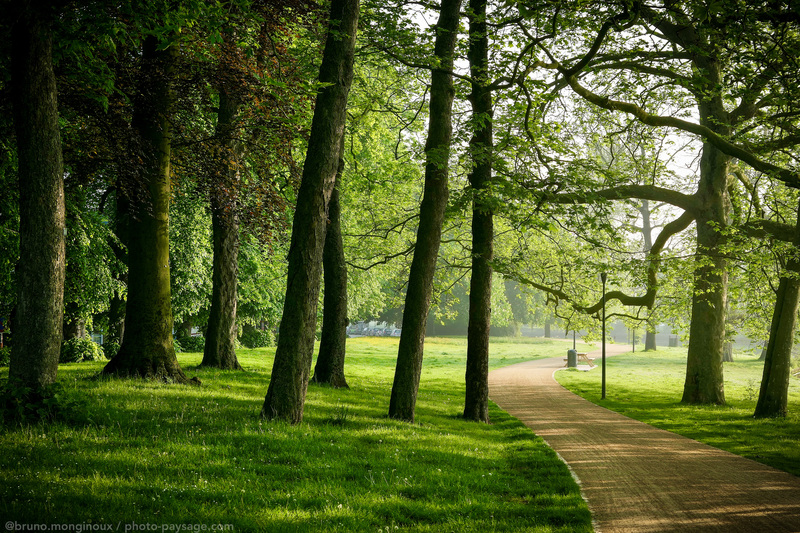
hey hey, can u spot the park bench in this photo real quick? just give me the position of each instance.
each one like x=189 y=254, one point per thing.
x=582 y=357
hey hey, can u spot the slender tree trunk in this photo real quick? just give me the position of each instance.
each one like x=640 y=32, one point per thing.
x=41 y=267
x=547 y=328
x=773 y=398
x=220 y=347
x=116 y=310
x=290 y=372
x=116 y=321
x=431 y=217
x=332 y=347
x=647 y=236
x=476 y=401
x=147 y=350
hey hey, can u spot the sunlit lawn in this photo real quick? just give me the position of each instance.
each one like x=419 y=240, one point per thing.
x=164 y=454
x=648 y=386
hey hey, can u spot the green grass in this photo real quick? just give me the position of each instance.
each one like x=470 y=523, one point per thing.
x=648 y=386
x=165 y=454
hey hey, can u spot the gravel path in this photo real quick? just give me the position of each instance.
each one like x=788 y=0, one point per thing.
x=637 y=478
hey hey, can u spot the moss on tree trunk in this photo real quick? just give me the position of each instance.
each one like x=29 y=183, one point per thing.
x=704 y=374
x=147 y=350
x=220 y=346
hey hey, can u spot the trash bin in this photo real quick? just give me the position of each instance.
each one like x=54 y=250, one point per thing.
x=572 y=358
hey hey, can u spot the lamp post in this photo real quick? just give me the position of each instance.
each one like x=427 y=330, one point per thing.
x=603 y=277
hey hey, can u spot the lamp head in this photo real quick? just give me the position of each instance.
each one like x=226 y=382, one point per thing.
x=603 y=277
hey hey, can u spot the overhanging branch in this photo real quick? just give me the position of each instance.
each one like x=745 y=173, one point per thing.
x=787 y=176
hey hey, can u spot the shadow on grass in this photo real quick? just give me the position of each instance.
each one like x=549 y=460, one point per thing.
x=158 y=453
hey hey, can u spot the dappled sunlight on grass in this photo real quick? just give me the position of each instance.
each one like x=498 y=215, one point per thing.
x=648 y=386
x=160 y=453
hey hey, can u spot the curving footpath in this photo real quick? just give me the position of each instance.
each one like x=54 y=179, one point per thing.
x=637 y=478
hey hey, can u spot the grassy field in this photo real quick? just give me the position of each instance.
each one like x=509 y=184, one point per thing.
x=165 y=458
x=648 y=386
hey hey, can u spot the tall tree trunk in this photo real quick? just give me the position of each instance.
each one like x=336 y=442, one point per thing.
x=220 y=347
x=147 y=350
x=773 y=398
x=431 y=217
x=704 y=374
x=290 y=372
x=332 y=347
x=547 y=323
x=41 y=267
x=476 y=401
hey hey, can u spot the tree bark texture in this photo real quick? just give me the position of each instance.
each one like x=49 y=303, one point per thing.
x=41 y=267
x=290 y=372
x=147 y=350
x=434 y=201
x=332 y=347
x=650 y=340
x=773 y=398
x=330 y=361
x=220 y=347
x=476 y=400
x=704 y=375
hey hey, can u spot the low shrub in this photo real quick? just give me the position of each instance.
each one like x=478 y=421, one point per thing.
x=257 y=338
x=5 y=356
x=110 y=349
x=190 y=344
x=27 y=405
x=78 y=349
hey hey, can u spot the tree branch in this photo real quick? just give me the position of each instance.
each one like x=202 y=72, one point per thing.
x=761 y=229
x=654 y=262
x=787 y=176
x=625 y=192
